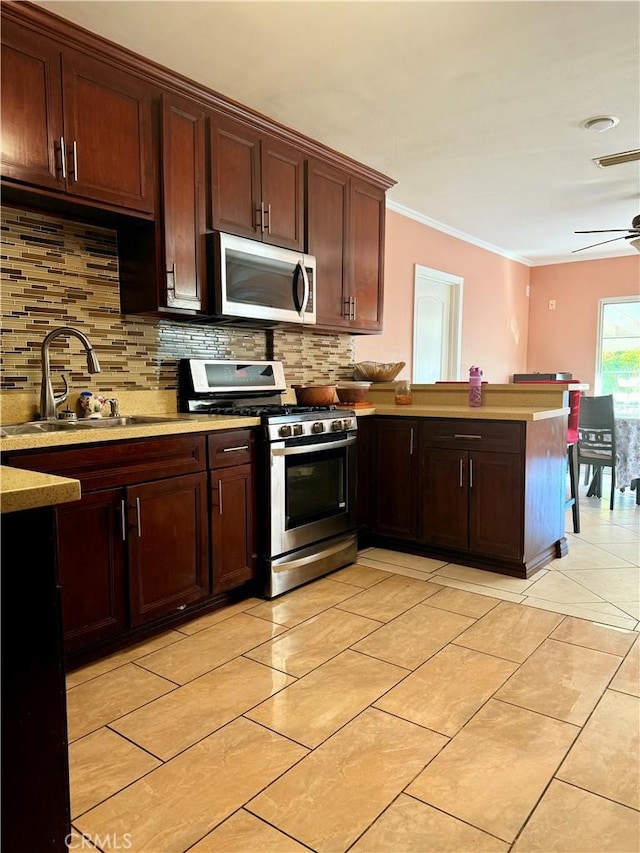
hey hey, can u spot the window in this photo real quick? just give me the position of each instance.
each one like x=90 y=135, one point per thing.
x=618 y=364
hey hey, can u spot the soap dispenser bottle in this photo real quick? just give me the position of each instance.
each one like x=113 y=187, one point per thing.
x=475 y=386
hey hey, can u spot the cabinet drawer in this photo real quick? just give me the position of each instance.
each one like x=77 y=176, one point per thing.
x=233 y=447
x=455 y=434
x=120 y=463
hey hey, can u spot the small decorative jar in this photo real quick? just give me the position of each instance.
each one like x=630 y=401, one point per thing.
x=90 y=405
x=403 y=392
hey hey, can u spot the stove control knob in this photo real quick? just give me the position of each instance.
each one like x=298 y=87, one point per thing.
x=284 y=431
x=317 y=427
x=347 y=423
x=336 y=426
x=297 y=429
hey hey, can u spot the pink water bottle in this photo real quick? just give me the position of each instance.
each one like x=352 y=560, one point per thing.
x=475 y=386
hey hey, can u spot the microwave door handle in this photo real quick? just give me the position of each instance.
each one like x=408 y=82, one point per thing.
x=296 y=276
x=307 y=288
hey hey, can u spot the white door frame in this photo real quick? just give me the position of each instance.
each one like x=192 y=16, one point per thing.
x=456 y=283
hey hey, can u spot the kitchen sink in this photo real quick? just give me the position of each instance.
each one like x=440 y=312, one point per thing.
x=36 y=427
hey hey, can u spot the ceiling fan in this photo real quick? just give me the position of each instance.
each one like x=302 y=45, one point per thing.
x=631 y=234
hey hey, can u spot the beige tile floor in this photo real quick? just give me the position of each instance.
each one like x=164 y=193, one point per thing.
x=400 y=704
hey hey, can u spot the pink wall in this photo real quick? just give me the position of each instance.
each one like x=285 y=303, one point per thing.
x=495 y=306
x=566 y=338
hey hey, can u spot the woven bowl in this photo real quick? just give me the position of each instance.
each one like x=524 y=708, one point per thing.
x=377 y=371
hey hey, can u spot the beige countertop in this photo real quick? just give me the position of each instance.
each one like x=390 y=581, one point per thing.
x=179 y=425
x=483 y=413
x=20 y=489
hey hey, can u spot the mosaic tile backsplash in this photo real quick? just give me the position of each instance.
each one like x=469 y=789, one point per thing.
x=61 y=273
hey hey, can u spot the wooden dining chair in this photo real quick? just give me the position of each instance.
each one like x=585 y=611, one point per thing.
x=597 y=441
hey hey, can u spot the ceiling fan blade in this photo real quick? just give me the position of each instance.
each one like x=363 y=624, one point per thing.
x=603 y=231
x=613 y=239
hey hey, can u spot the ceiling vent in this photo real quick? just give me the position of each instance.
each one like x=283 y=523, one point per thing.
x=617 y=159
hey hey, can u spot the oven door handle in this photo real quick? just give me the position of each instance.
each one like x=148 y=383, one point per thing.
x=312 y=448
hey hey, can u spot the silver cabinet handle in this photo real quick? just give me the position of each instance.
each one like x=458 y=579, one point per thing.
x=138 y=518
x=411 y=443
x=352 y=312
x=262 y=217
x=75 y=161
x=471 y=473
x=181 y=607
x=346 y=313
x=220 y=496
x=123 y=520
x=235 y=449
x=466 y=435
x=63 y=158
x=355 y=304
x=461 y=473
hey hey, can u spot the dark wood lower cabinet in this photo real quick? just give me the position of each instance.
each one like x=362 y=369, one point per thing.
x=141 y=549
x=396 y=480
x=486 y=493
x=168 y=546
x=232 y=527
x=91 y=545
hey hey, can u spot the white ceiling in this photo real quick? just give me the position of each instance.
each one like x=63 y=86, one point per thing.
x=472 y=107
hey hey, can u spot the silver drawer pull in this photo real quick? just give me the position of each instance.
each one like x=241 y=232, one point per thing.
x=181 y=607
x=220 y=496
x=123 y=520
x=461 y=473
x=235 y=449
x=471 y=473
x=466 y=435
x=138 y=517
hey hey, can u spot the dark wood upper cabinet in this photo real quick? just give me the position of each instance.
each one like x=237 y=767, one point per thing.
x=345 y=232
x=184 y=202
x=257 y=184
x=366 y=255
x=74 y=123
x=31 y=107
x=107 y=123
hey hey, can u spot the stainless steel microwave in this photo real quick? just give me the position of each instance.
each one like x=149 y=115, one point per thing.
x=260 y=283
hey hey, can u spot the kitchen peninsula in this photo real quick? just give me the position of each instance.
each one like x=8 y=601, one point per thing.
x=482 y=486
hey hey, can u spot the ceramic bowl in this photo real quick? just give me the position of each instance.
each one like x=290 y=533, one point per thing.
x=353 y=392
x=315 y=395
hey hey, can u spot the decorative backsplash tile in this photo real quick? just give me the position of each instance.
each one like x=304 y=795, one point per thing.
x=61 y=273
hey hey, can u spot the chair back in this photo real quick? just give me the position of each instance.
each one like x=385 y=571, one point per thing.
x=574 y=404
x=596 y=428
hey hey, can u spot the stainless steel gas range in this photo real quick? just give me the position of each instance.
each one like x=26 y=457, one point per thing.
x=308 y=488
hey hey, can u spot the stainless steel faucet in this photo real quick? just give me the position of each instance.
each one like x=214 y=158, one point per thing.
x=49 y=401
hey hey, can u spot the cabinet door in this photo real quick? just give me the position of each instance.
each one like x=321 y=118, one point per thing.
x=232 y=522
x=364 y=479
x=31 y=107
x=168 y=546
x=184 y=202
x=282 y=194
x=235 y=177
x=366 y=241
x=327 y=219
x=395 y=500
x=90 y=535
x=444 y=497
x=495 y=504
x=107 y=122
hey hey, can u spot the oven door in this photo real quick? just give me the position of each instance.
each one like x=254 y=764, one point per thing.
x=312 y=490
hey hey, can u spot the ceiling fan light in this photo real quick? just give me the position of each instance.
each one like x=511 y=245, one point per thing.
x=598 y=124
